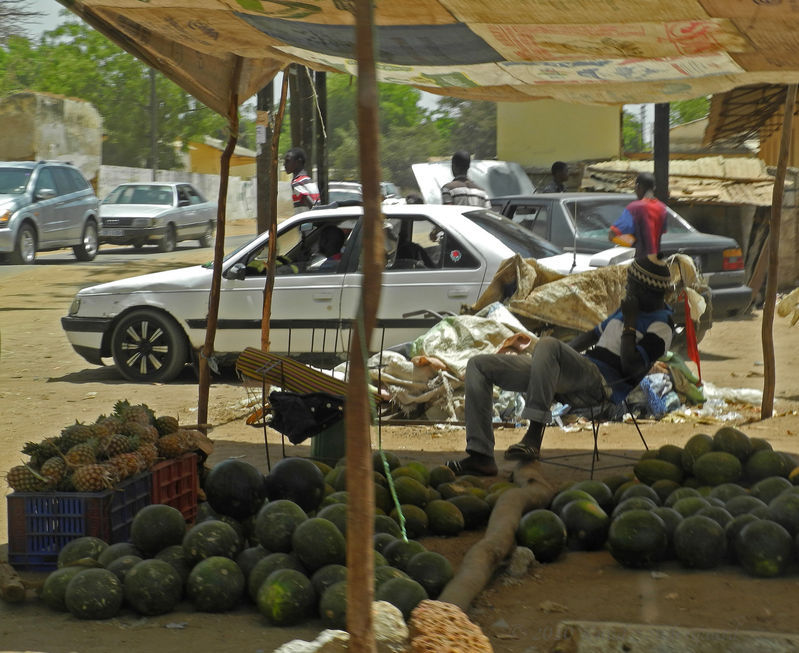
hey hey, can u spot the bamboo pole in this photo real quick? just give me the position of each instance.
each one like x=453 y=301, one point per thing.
x=266 y=312
x=219 y=251
x=770 y=297
x=360 y=527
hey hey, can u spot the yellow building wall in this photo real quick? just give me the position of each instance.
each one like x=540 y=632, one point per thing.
x=535 y=134
x=206 y=160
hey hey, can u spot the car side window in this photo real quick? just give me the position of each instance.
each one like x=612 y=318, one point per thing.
x=183 y=196
x=417 y=243
x=45 y=179
x=194 y=196
x=534 y=218
x=78 y=180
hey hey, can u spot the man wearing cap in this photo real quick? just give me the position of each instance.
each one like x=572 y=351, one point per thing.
x=462 y=190
x=618 y=353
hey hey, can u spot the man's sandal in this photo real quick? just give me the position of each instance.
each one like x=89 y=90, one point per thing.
x=522 y=451
x=470 y=466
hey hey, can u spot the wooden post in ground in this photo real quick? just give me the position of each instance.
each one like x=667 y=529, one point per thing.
x=770 y=297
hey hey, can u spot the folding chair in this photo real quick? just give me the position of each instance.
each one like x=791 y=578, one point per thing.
x=597 y=413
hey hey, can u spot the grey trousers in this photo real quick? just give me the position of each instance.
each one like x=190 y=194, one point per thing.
x=553 y=369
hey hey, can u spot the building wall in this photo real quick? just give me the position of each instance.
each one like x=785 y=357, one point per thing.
x=535 y=134
x=38 y=126
x=206 y=159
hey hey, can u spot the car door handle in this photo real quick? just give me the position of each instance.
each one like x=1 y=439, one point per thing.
x=457 y=293
x=322 y=296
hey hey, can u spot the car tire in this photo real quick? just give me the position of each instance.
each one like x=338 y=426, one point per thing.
x=169 y=239
x=149 y=346
x=207 y=239
x=138 y=244
x=89 y=243
x=25 y=249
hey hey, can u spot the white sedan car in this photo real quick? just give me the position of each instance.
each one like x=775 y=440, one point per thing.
x=159 y=213
x=438 y=258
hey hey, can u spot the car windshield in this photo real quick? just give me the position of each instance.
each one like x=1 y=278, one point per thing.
x=13 y=181
x=344 y=194
x=140 y=194
x=519 y=239
x=594 y=217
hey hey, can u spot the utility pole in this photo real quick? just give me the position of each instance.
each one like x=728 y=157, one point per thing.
x=660 y=149
x=264 y=122
x=322 y=177
x=153 y=126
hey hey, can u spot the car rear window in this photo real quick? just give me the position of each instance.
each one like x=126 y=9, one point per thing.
x=520 y=240
x=13 y=181
x=595 y=216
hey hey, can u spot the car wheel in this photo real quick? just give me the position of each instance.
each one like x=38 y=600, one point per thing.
x=25 y=251
x=89 y=243
x=207 y=239
x=138 y=244
x=148 y=346
x=169 y=239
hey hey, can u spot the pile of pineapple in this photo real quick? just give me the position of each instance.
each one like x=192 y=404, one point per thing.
x=96 y=457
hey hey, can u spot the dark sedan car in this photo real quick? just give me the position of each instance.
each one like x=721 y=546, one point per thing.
x=581 y=221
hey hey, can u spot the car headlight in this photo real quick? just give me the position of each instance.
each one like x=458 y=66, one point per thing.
x=5 y=217
x=75 y=306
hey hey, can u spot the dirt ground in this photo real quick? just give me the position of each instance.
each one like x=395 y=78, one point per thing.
x=44 y=386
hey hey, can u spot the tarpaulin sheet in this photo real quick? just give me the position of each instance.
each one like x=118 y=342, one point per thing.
x=584 y=51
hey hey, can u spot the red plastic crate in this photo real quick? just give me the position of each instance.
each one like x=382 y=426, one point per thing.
x=175 y=483
x=41 y=523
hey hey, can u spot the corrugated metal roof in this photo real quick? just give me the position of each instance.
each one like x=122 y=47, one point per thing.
x=711 y=180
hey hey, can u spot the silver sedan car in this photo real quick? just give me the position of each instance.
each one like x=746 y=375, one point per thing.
x=158 y=213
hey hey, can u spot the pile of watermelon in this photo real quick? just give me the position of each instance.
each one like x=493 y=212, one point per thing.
x=723 y=499
x=277 y=540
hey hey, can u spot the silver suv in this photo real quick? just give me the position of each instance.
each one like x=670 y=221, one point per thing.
x=46 y=205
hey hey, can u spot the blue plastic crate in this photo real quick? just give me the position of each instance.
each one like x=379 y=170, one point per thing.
x=41 y=523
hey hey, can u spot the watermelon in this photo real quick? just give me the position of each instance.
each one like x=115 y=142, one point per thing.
x=215 y=584
x=441 y=474
x=390 y=458
x=209 y=539
x=431 y=570
x=649 y=471
x=236 y=488
x=444 y=518
x=286 y=597
x=697 y=445
x=671 y=518
x=387 y=572
x=327 y=576
x=406 y=471
x=318 y=542
x=644 y=491
x=475 y=510
x=79 y=549
x=94 y=594
x=717 y=514
x=730 y=440
x=784 y=509
x=153 y=587
x=114 y=551
x=276 y=522
x=55 y=587
x=333 y=606
x=385 y=524
x=250 y=557
x=156 y=527
x=742 y=504
x=403 y=593
x=423 y=471
x=633 y=503
x=544 y=533
x=176 y=557
x=663 y=488
x=690 y=505
x=297 y=480
x=699 y=542
x=717 y=467
x=416 y=521
x=727 y=491
x=586 y=524
x=122 y=565
x=566 y=496
x=770 y=488
x=336 y=514
x=400 y=552
x=762 y=464
x=265 y=566
x=381 y=540
x=732 y=529
x=671 y=453
x=638 y=538
x=764 y=548
x=409 y=490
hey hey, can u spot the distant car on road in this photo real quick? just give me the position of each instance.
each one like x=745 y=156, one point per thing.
x=580 y=221
x=437 y=258
x=158 y=213
x=46 y=205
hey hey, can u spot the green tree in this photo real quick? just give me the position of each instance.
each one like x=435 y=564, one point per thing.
x=683 y=111
x=15 y=16
x=469 y=125
x=632 y=137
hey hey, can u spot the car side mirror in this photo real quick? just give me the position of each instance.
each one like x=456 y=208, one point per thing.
x=45 y=194
x=237 y=271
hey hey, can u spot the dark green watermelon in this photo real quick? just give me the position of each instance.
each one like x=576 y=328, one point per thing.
x=235 y=488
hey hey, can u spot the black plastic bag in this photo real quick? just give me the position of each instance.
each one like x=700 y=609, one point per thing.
x=301 y=416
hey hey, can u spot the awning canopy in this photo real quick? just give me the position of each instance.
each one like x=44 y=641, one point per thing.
x=584 y=51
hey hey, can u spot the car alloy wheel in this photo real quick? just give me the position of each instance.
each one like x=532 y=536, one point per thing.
x=89 y=245
x=207 y=239
x=25 y=251
x=148 y=345
x=169 y=239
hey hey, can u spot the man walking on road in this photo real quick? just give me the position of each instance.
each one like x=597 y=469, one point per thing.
x=462 y=190
x=304 y=191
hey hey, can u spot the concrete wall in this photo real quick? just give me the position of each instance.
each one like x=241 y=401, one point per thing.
x=241 y=195
x=38 y=126
x=535 y=134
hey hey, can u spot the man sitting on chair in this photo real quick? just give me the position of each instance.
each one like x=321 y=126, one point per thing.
x=623 y=347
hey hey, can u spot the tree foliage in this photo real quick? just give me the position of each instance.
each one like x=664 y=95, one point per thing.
x=15 y=16
x=632 y=135
x=683 y=111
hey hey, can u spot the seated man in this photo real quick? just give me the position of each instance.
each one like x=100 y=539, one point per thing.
x=623 y=348
x=331 y=240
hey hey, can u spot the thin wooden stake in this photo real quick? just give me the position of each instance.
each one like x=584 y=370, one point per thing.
x=770 y=298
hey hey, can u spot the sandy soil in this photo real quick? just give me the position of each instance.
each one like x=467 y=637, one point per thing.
x=44 y=386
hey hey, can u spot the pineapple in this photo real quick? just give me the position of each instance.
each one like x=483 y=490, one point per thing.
x=81 y=454
x=131 y=463
x=105 y=426
x=144 y=432
x=175 y=444
x=23 y=478
x=136 y=413
x=76 y=433
x=149 y=453
x=115 y=445
x=42 y=451
x=54 y=469
x=92 y=478
x=166 y=424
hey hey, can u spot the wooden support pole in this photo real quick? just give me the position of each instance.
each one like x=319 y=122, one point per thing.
x=770 y=297
x=266 y=311
x=219 y=251
x=660 y=151
x=12 y=590
x=360 y=508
